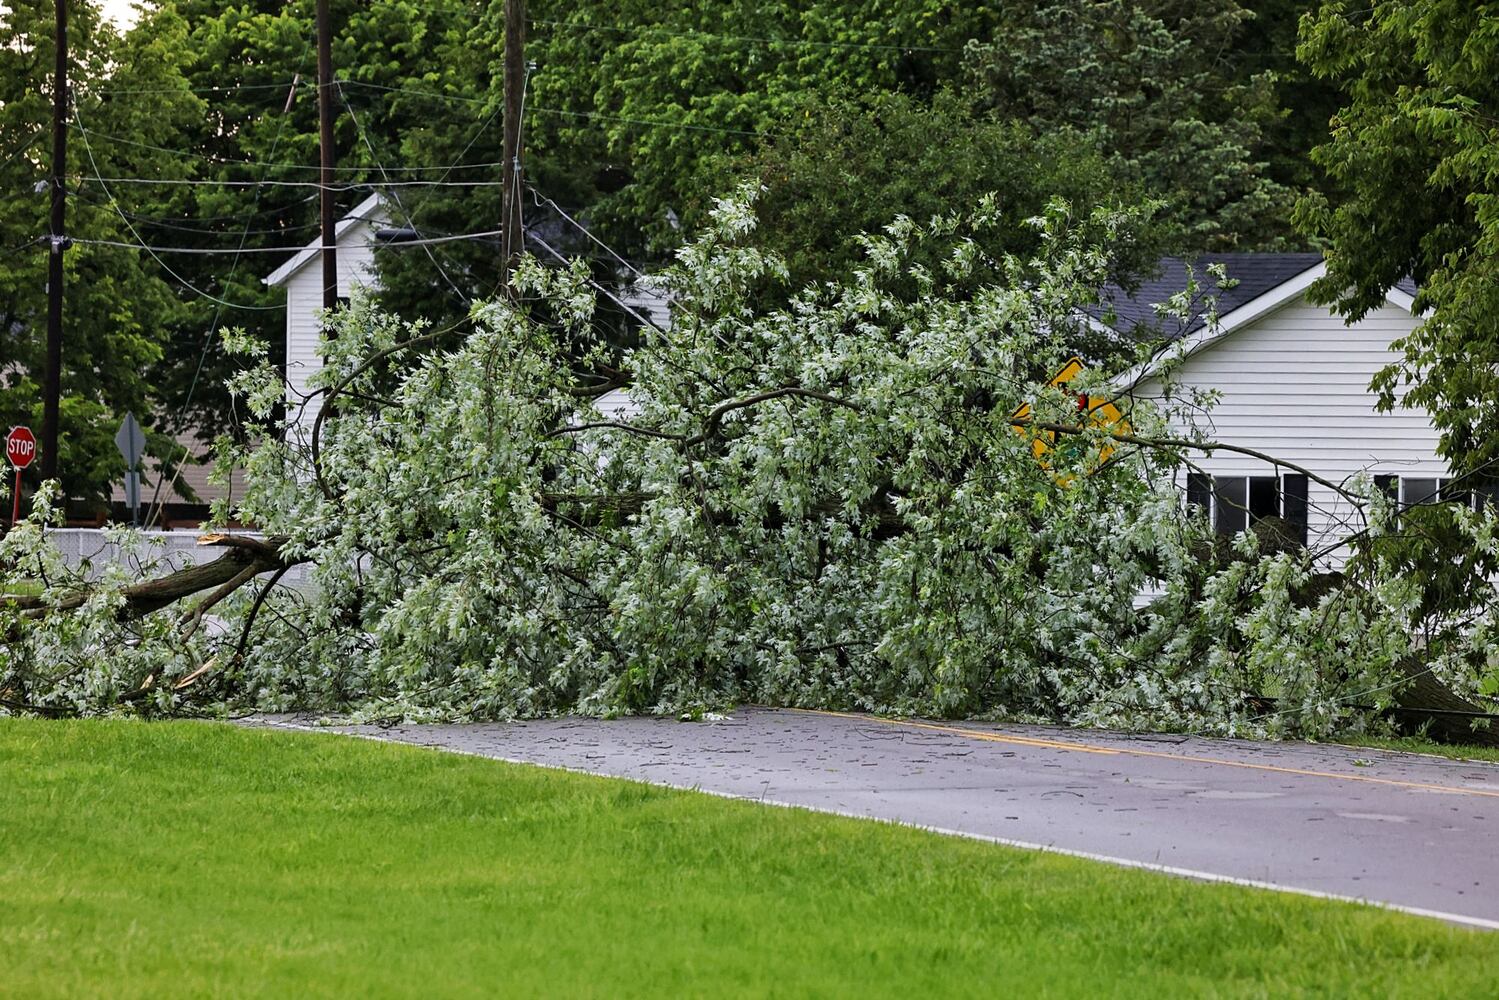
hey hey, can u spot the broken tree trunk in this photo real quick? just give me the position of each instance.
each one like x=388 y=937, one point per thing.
x=1424 y=701
x=244 y=559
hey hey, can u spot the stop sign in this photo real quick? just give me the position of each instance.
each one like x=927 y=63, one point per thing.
x=20 y=446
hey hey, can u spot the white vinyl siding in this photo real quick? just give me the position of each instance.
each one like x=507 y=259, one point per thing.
x=1295 y=384
x=304 y=305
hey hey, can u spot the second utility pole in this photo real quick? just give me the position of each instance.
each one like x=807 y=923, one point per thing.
x=513 y=240
x=325 y=150
x=52 y=376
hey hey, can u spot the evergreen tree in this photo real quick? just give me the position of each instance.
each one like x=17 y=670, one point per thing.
x=1153 y=86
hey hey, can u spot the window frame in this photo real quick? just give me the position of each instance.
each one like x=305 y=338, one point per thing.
x=1244 y=494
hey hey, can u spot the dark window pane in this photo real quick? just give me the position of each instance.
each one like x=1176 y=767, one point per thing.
x=1231 y=504
x=1485 y=491
x=1264 y=497
x=1293 y=502
x=1418 y=490
x=1200 y=492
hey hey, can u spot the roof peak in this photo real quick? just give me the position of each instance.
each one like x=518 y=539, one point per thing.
x=371 y=208
x=1250 y=274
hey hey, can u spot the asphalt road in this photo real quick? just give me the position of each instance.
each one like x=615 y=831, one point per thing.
x=1414 y=832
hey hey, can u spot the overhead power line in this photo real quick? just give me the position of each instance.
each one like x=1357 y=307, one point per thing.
x=149 y=220
x=224 y=252
x=228 y=88
x=94 y=165
x=396 y=198
x=157 y=500
x=274 y=165
x=359 y=186
x=584 y=230
x=600 y=115
x=414 y=91
x=622 y=119
x=178 y=222
x=531 y=235
x=669 y=32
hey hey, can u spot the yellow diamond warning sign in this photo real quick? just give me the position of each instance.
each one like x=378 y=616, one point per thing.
x=1094 y=411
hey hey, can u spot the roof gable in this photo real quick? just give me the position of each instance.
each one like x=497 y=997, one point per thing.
x=1250 y=276
x=1252 y=301
x=372 y=209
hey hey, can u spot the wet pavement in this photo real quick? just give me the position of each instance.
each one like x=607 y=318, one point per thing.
x=1416 y=832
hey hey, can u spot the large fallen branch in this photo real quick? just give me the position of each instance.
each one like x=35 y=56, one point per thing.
x=245 y=559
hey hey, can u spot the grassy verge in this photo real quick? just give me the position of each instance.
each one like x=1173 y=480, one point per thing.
x=1418 y=744
x=186 y=858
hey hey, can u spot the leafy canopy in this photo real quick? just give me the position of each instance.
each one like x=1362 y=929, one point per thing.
x=825 y=503
x=1414 y=151
x=116 y=311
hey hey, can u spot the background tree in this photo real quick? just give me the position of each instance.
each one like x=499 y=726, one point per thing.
x=1265 y=45
x=412 y=105
x=1154 y=87
x=851 y=165
x=652 y=103
x=639 y=116
x=1414 y=153
x=117 y=311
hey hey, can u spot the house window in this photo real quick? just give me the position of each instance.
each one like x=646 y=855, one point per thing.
x=1234 y=503
x=1414 y=491
x=1407 y=491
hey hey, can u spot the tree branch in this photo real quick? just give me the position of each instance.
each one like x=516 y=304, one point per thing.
x=715 y=418
x=1204 y=446
x=244 y=635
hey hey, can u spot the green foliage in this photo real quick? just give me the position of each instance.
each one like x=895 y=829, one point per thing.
x=1265 y=45
x=655 y=102
x=607 y=131
x=1152 y=86
x=1413 y=151
x=825 y=503
x=414 y=99
x=636 y=115
x=849 y=166
x=115 y=309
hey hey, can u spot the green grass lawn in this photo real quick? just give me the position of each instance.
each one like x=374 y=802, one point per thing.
x=1420 y=744
x=22 y=588
x=179 y=859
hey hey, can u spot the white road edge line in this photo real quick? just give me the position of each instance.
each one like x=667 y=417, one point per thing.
x=1189 y=873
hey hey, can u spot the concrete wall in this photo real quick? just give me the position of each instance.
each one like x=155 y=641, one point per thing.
x=176 y=549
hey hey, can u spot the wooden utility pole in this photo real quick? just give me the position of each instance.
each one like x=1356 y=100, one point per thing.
x=513 y=240
x=325 y=152
x=52 y=377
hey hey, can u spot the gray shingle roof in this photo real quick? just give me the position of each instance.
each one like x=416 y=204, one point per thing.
x=1133 y=313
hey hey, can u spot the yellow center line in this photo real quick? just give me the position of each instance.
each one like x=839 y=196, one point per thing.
x=972 y=734
x=978 y=734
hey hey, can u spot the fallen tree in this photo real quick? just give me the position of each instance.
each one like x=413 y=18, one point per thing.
x=838 y=503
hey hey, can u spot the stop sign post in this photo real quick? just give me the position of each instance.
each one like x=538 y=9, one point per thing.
x=20 y=448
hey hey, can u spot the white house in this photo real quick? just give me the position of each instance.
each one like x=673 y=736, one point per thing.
x=356 y=234
x=302 y=277
x=1294 y=382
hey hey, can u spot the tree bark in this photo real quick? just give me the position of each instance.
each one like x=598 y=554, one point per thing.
x=152 y=595
x=1447 y=716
